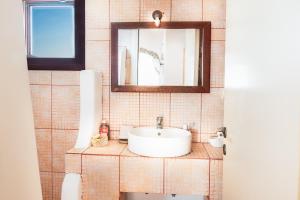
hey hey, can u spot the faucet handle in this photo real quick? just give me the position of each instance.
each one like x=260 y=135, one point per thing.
x=159 y=118
x=159 y=122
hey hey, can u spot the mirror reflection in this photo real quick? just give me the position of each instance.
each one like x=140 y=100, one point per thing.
x=159 y=57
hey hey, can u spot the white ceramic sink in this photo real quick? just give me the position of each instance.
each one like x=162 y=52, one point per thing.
x=152 y=142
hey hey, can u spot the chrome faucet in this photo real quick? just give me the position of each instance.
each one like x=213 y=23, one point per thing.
x=159 y=122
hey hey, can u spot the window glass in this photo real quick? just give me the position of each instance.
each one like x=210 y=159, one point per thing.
x=51 y=30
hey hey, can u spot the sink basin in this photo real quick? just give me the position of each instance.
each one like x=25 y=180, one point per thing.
x=152 y=142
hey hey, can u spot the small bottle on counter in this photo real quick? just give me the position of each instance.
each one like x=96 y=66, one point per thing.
x=104 y=129
x=101 y=138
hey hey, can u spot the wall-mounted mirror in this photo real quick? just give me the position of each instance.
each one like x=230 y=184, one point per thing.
x=172 y=58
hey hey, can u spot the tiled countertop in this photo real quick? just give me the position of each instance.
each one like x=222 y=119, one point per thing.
x=213 y=152
x=114 y=148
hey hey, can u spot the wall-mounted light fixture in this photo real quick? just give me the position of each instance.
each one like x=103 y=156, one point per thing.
x=157 y=15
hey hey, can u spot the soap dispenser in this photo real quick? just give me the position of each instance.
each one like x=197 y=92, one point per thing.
x=218 y=139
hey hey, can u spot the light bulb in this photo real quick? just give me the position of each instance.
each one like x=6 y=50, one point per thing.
x=157 y=16
x=157 y=21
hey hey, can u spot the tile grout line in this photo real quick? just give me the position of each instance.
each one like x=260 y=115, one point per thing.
x=42 y=128
x=201 y=110
x=63 y=129
x=109 y=75
x=109 y=106
x=119 y=158
x=51 y=137
x=171 y=8
x=139 y=108
x=214 y=40
x=202 y=8
x=139 y=112
x=102 y=101
x=97 y=40
x=45 y=84
x=140 y=9
x=81 y=176
x=209 y=165
x=170 y=107
x=164 y=175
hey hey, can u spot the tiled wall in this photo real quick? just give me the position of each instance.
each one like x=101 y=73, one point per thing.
x=55 y=95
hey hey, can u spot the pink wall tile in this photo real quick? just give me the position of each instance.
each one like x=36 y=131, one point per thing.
x=40 y=77
x=43 y=141
x=153 y=105
x=192 y=179
x=217 y=63
x=65 y=107
x=124 y=109
x=114 y=135
x=218 y=34
x=41 y=103
x=65 y=77
x=46 y=182
x=101 y=172
x=188 y=10
x=212 y=111
x=96 y=14
x=216 y=177
x=124 y=10
x=97 y=58
x=57 y=183
x=105 y=102
x=73 y=163
x=62 y=141
x=148 y=6
x=97 y=34
x=186 y=109
x=215 y=11
x=141 y=174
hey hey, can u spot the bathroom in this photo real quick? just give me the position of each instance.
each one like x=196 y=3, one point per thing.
x=236 y=111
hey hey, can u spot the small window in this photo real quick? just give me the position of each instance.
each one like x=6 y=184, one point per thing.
x=51 y=30
x=55 y=34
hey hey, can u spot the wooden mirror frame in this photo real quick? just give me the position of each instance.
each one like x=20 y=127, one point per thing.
x=205 y=28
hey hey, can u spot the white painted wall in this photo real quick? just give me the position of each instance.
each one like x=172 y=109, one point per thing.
x=19 y=173
x=262 y=100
